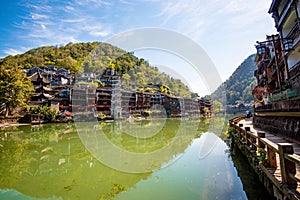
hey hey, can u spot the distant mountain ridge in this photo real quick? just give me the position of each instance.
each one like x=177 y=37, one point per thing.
x=238 y=87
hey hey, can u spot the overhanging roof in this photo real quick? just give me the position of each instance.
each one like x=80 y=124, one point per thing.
x=273 y=6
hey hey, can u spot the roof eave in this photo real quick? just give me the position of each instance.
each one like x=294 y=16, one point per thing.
x=273 y=5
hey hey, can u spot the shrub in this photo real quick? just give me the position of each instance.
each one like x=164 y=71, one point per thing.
x=46 y=111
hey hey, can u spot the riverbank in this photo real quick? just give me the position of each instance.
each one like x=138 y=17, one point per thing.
x=12 y=124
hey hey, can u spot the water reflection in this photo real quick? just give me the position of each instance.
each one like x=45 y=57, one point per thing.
x=52 y=161
x=125 y=152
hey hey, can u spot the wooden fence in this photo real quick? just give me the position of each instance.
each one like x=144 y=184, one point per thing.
x=277 y=160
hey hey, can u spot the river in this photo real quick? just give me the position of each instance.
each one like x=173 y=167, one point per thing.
x=146 y=159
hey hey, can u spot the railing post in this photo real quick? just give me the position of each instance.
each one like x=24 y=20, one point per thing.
x=240 y=130
x=261 y=134
x=247 y=136
x=287 y=167
x=271 y=155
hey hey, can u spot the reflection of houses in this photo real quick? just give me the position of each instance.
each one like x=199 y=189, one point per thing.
x=204 y=103
x=278 y=72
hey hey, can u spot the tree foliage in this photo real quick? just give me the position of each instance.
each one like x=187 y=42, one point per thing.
x=46 y=111
x=96 y=57
x=15 y=88
x=238 y=88
x=217 y=106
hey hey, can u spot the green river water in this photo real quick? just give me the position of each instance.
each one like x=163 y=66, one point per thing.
x=148 y=159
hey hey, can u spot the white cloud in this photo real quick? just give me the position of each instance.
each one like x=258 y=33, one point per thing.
x=36 y=16
x=43 y=26
x=40 y=7
x=69 y=8
x=63 y=22
x=194 y=14
x=74 y=20
x=99 y=33
x=94 y=3
x=12 y=51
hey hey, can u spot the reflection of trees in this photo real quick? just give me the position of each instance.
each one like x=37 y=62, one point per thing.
x=203 y=124
x=116 y=145
x=160 y=135
x=51 y=161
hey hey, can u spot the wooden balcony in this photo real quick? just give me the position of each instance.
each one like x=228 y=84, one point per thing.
x=285 y=12
x=294 y=34
x=295 y=71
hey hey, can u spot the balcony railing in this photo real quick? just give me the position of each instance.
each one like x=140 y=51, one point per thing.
x=294 y=33
x=290 y=93
x=284 y=12
x=294 y=71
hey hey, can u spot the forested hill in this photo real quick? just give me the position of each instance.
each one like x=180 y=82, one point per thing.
x=238 y=87
x=96 y=57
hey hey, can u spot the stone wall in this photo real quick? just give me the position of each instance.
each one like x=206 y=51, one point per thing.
x=281 y=106
x=288 y=127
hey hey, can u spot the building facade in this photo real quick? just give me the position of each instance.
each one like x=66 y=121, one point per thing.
x=277 y=105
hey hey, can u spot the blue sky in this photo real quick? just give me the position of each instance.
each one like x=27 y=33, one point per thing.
x=226 y=29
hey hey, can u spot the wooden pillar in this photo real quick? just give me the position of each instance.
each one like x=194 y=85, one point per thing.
x=261 y=134
x=247 y=136
x=253 y=144
x=235 y=127
x=240 y=130
x=271 y=155
x=287 y=167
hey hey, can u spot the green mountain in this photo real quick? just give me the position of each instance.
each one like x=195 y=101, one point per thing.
x=96 y=57
x=238 y=88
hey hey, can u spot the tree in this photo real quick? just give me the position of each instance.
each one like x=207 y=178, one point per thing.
x=194 y=95
x=70 y=63
x=15 y=88
x=217 y=106
x=205 y=110
x=126 y=79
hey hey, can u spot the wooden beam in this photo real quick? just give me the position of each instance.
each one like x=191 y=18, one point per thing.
x=287 y=167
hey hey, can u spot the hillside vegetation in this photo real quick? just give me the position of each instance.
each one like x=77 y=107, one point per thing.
x=96 y=57
x=238 y=88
